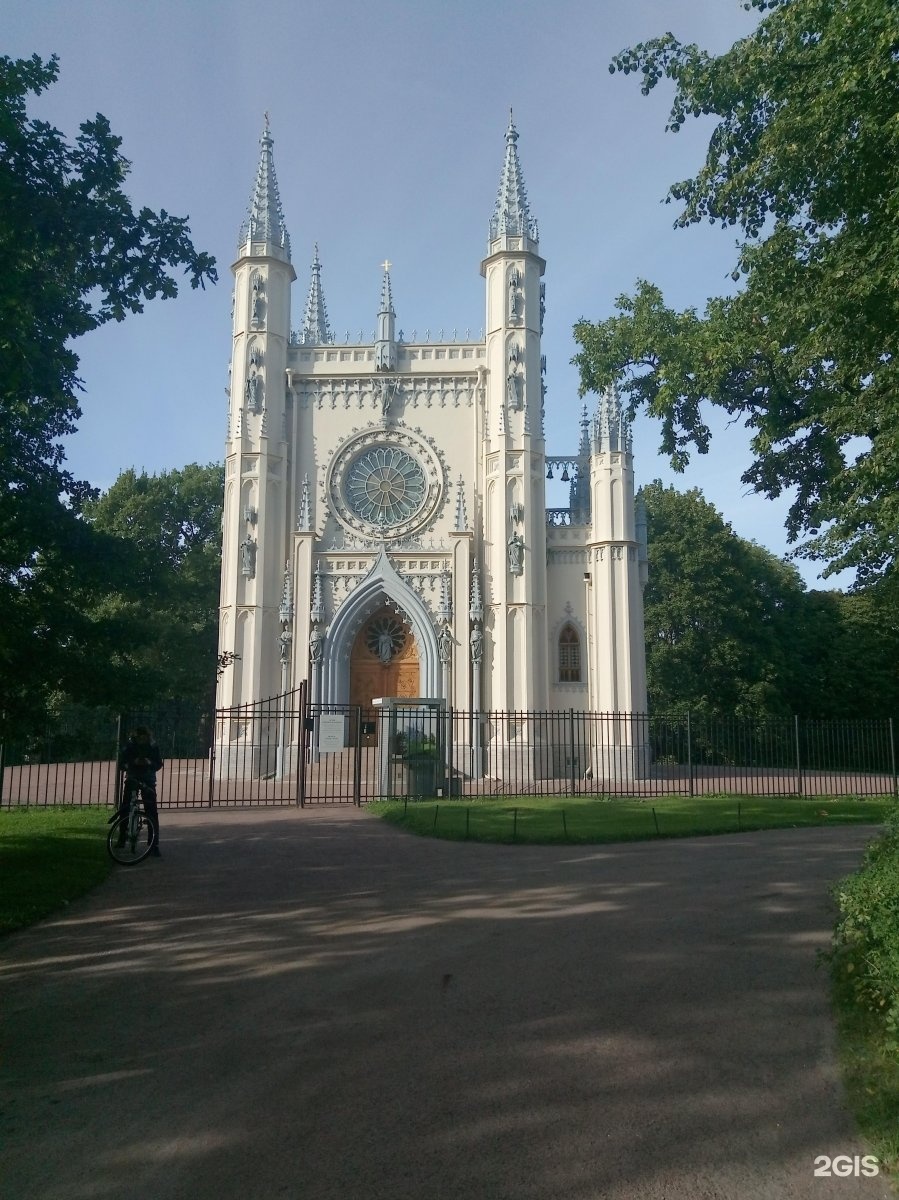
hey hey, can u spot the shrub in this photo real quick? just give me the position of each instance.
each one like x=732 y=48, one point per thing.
x=865 y=953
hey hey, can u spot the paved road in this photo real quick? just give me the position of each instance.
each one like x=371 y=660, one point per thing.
x=315 y=1006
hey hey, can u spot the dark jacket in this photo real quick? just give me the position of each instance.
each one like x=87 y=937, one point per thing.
x=141 y=761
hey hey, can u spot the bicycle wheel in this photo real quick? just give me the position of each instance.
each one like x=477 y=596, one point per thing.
x=130 y=840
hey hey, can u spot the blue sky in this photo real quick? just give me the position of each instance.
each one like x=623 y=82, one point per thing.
x=389 y=122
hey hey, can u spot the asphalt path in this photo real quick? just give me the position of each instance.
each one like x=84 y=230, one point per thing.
x=314 y=1005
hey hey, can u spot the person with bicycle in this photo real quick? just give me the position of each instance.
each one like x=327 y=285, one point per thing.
x=140 y=759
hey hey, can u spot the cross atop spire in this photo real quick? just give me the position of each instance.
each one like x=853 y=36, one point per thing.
x=511 y=214
x=264 y=221
x=386 y=294
x=316 y=329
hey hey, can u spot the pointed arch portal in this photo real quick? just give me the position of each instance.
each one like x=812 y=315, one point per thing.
x=348 y=664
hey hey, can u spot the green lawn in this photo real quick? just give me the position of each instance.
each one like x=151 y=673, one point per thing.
x=48 y=857
x=541 y=821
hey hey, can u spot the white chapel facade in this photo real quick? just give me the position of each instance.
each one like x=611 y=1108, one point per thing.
x=385 y=526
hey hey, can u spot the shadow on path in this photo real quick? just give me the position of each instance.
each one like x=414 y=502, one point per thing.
x=317 y=1005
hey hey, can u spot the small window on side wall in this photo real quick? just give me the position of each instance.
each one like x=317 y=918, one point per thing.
x=569 y=655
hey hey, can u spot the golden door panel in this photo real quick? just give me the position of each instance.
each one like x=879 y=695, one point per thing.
x=384 y=661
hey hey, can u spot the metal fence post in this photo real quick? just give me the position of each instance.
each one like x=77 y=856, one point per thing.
x=690 y=752
x=892 y=763
x=798 y=756
x=210 y=775
x=118 y=769
x=357 y=759
x=571 y=751
x=299 y=705
x=3 y=763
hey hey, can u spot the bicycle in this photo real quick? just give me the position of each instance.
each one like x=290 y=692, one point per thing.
x=132 y=834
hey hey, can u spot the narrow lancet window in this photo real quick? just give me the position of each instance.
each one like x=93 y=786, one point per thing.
x=569 y=655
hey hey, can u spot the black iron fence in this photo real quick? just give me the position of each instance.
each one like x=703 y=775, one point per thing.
x=284 y=751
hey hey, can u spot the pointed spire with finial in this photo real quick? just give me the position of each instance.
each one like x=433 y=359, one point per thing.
x=285 y=611
x=264 y=221
x=385 y=340
x=316 y=329
x=613 y=431
x=304 y=515
x=461 y=511
x=475 y=604
x=511 y=214
x=445 y=611
x=317 y=608
x=584 y=446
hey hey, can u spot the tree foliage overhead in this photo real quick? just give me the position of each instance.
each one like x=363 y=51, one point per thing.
x=75 y=255
x=804 y=163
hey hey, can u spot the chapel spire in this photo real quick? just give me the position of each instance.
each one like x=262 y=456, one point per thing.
x=511 y=214
x=316 y=329
x=264 y=221
x=385 y=343
x=612 y=427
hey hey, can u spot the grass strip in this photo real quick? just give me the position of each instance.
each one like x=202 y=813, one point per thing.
x=49 y=857
x=550 y=820
x=870 y=1070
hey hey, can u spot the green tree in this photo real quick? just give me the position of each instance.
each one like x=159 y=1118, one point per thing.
x=75 y=255
x=804 y=162
x=715 y=613
x=167 y=534
x=731 y=630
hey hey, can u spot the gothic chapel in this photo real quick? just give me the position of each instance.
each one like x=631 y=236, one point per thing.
x=385 y=524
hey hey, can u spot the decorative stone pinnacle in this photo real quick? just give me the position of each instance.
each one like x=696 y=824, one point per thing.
x=264 y=221
x=285 y=612
x=304 y=516
x=316 y=328
x=612 y=429
x=445 y=611
x=461 y=525
x=317 y=609
x=476 y=606
x=511 y=215
x=386 y=294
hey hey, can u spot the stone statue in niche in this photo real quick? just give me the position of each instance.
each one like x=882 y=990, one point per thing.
x=285 y=639
x=248 y=557
x=513 y=297
x=253 y=397
x=512 y=388
x=477 y=643
x=445 y=644
x=257 y=303
x=385 y=647
x=316 y=637
x=515 y=546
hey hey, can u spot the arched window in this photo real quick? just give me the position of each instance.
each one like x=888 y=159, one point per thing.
x=569 y=655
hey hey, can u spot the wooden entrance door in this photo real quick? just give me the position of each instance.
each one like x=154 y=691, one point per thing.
x=384 y=661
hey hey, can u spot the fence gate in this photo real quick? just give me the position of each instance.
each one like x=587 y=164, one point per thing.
x=339 y=753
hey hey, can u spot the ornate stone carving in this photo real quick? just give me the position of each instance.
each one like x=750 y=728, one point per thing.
x=393 y=487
